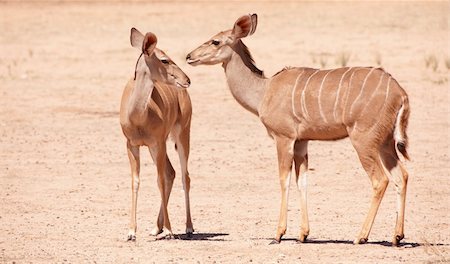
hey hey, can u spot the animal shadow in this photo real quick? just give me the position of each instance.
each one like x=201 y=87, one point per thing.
x=203 y=236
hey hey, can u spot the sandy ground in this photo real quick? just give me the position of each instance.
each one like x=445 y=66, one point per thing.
x=64 y=173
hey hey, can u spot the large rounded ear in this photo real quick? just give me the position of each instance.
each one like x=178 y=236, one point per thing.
x=149 y=44
x=136 y=38
x=245 y=26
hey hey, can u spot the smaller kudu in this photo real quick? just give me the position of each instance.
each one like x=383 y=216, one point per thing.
x=301 y=104
x=154 y=106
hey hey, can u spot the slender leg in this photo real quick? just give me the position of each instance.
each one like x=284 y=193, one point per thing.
x=182 y=141
x=372 y=164
x=399 y=175
x=285 y=151
x=133 y=155
x=301 y=168
x=160 y=155
x=169 y=176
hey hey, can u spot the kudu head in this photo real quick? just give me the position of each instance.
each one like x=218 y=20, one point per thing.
x=161 y=67
x=220 y=47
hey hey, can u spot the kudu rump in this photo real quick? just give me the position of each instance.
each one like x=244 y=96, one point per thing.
x=301 y=104
x=153 y=106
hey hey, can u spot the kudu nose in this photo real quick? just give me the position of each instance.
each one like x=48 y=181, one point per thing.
x=188 y=56
x=189 y=81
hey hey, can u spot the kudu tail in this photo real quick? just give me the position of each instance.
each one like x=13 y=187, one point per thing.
x=401 y=123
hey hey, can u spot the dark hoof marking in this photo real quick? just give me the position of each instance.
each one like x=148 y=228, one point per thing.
x=361 y=241
x=397 y=240
x=131 y=238
x=302 y=238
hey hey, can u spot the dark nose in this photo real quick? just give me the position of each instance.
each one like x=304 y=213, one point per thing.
x=188 y=81
x=188 y=56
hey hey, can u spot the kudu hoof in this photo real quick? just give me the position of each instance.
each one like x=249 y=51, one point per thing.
x=302 y=238
x=165 y=236
x=396 y=240
x=360 y=241
x=131 y=238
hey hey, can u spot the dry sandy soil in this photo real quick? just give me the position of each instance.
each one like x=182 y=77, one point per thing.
x=64 y=173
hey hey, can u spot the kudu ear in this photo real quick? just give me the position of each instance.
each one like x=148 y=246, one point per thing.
x=245 y=26
x=149 y=44
x=136 y=38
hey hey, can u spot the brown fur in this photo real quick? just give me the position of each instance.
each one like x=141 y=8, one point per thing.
x=301 y=104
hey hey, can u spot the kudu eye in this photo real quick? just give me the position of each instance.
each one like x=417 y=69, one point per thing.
x=215 y=42
x=165 y=61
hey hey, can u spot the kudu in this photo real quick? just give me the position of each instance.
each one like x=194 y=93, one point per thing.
x=154 y=106
x=301 y=104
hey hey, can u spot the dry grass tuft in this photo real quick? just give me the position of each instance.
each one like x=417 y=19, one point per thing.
x=432 y=62
x=343 y=58
x=323 y=62
x=378 y=59
x=447 y=63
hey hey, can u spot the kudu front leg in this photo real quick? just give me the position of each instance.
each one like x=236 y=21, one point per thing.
x=160 y=156
x=133 y=155
x=169 y=176
x=182 y=141
x=301 y=169
x=285 y=152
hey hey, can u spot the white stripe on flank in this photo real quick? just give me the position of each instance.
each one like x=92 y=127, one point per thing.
x=293 y=95
x=337 y=93
x=371 y=97
x=347 y=94
x=320 y=95
x=388 y=88
x=373 y=93
x=384 y=104
x=362 y=89
x=305 y=111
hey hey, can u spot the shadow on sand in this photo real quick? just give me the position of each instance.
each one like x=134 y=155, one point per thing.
x=203 y=236
x=349 y=242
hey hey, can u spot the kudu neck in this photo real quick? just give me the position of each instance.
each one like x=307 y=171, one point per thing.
x=246 y=82
x=147 y=70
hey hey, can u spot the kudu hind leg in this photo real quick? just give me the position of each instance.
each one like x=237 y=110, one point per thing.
x=372 y=164
x=399 y=175
x=301 y=168
x=133 y=156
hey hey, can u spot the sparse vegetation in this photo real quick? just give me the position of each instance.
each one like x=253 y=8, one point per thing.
x=378 y=59
x=323 y=61
x=343 y=58
x=432 y=62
